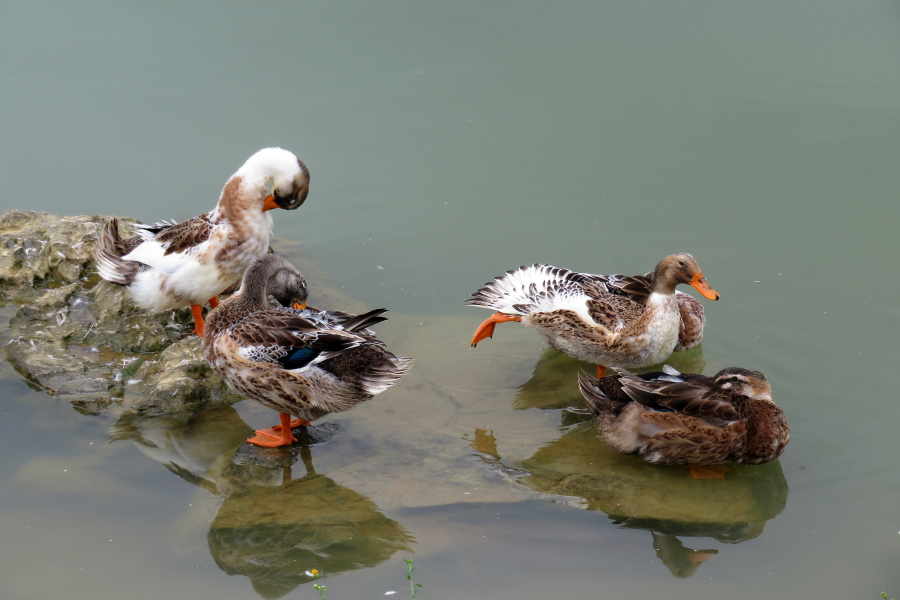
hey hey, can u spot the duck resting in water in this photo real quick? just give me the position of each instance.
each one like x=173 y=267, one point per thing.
x=677 y=418
x=173 y=265
x=609 y=320
x=293 y=359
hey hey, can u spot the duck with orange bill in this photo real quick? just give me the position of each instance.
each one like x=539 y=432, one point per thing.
x=609 y=320
x=173 y=265
x=669 y=417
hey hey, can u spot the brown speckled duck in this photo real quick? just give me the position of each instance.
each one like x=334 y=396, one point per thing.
x=293 y=359
x=174 y=265
x=674 y=418
x=609 y=320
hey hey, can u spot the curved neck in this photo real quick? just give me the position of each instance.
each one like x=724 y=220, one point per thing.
x=252 y=295
x=250 y=298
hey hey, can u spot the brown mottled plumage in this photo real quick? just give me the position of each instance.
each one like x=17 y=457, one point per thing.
x=300 y=362
x=674 y=418
x=615 y=320
x=173 y=265
x=637 y=288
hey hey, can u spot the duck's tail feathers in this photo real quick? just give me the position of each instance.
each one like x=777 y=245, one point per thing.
x=107 y=254
x=333 y=342
x=383 y=373
x=149 y=231
x=597 y=401
x=531 y=289
x=365 y=320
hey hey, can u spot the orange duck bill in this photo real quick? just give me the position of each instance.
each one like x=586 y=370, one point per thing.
x=699 y=283
x=270 y=203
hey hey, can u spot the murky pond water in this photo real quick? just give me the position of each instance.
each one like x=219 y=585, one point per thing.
x=447 y=143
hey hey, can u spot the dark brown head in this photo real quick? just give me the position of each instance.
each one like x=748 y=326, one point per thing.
x=275 y=276
x=745 y=382
x=286 y=284
x=680 y=268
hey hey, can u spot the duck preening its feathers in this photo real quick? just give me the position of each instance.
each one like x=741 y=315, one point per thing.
x=172 y=265
x=610 y=320
x=296 y=360
x=674 y=418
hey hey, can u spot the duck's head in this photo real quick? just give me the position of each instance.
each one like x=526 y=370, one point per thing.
x=745 y=382
x=272 y=275
x=681 y=268
x=286 y=284
x=280 y=178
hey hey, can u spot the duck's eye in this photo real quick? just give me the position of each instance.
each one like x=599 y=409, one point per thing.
x=680 y=263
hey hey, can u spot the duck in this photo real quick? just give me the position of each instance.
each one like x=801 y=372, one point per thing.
x=609 y=320
x=295 y=359
x=668 y=417
x=171 y=265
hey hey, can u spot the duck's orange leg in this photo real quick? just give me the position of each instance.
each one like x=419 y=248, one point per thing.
x=214 y=301
x=486 y=329
x=294 y=423
x=601 y=371
x=269 y=438
x=197 y=310
x=708 y=471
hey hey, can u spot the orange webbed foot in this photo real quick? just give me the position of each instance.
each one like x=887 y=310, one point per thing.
x=601 y=371
x=270 y=438
x=486 y=329
x=708 y=471
x=214 y=301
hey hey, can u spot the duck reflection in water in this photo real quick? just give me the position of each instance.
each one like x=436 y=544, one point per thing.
x=663 y=500
x=270 y=527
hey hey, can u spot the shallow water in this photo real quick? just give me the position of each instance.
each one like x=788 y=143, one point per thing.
x=447 y=143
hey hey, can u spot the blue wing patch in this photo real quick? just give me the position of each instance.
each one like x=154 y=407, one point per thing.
x=299 y=358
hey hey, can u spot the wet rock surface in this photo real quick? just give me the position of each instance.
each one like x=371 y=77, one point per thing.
x=72 y=334
x=81 y=338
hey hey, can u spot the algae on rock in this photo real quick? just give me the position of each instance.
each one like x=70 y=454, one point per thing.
x=78 y=337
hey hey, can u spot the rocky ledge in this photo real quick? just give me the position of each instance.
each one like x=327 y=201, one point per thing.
x=82 y=339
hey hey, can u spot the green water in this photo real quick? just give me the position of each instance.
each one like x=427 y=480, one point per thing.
x=448 y=142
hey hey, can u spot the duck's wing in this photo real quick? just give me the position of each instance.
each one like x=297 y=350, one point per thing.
x=185 y=235
x=693 y=320
x=289 y=339
x=696 y=397
x=633 y=287
x=538 y=288
x=166 y=250
x=335 y=319
x=612 y=311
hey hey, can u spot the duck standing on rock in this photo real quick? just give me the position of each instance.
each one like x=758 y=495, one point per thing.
x=674 y=418
x=173 y=265
x=612 y=320
x=293 y=359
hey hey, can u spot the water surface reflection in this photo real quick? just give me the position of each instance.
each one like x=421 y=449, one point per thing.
x=270 y=527
x=663 y=500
